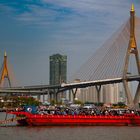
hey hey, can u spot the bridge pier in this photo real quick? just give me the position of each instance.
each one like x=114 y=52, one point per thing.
x=98 y=89
x=50 y=96
x=74 y=93
x=128 y=94
x=137 y=96
x=43 y=100
x=38 y=97
x=55 y=96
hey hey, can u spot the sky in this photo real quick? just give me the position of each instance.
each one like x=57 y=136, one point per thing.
x=33 y=30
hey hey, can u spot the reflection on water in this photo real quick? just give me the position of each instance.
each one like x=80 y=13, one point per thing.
x=68 y=132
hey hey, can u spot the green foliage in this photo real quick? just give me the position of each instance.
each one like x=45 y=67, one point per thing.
x=52 y=102
x=114 y=104
x=99 y=104
x=1 y=105
x=87 y=102
x=28 y=101
x=78 y=102
x=122 y=105
x=119 y=105
x=15 y=101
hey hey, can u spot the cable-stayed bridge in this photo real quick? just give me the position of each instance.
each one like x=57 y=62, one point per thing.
x=117 y=61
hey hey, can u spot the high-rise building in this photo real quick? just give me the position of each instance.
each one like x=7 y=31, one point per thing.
x=58 y=69
x=108 y=94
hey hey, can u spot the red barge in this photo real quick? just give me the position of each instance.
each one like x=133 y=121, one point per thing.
x=41 y=120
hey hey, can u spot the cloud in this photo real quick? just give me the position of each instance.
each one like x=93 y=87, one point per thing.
x=86 y=5
x=6 y=9
x=45 y=12
x=35 y=12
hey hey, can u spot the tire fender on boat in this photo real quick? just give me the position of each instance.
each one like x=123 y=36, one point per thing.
x=29 y=109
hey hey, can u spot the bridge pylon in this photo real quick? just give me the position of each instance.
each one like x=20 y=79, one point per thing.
x=4 y=72
x=131 y=50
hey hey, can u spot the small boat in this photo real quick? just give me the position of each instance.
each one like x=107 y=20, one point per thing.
x=48 y=119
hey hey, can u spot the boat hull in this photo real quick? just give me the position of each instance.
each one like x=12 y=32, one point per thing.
x=78 y=120
x=41 y=120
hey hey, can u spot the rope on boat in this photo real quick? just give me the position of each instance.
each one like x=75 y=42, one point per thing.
x=11 y=120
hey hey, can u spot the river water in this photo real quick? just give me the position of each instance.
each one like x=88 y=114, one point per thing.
x=14 y=132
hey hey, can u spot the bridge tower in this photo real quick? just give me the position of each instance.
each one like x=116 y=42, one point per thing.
x=4 y=72
x=132 y=50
